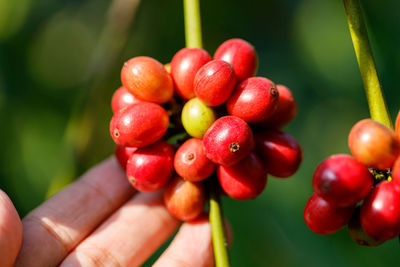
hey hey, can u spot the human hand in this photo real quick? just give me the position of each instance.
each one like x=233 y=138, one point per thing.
x=100 y=220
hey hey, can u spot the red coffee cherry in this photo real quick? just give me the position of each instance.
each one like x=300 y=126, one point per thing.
x=342 y=180
x=123 y=153
x=374 y=144
x=122 y=98
x=190 y=161
x=280 y=152
x=184 y=199
x=286 y=110
x=396 y=171
x=380 y=211
x=147 y=79
x=139 y=125
x=244 y=180
x=397 y=125
x=323 y=218
x=214 y=82
x=254 y=99
x=149 y=168
x=184 y=66
x=228 y=140
x=241 y=55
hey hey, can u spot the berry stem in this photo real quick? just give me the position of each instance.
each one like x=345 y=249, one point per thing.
x=194 y=40
x=366 y=63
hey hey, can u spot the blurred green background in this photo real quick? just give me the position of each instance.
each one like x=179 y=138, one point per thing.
x=60 y=63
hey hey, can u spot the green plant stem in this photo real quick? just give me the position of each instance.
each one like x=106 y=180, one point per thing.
x=359 y=35
x=194 y=40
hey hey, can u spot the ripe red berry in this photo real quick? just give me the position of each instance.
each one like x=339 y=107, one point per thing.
x=254 y=99
x=123 y=153
x=147 y=79
x=150 y=168
x=286 y=110
x=228 y=140
x=122 y=98
x=184 y=199
x=139 y=125
x=323 y=218
x=397 y=125
x=342 y=180
x=380 y=211
x=396 y=171
x=244 y=180
x=190 y=161
x=214 y=82
x=184 y=66
x=374 y=144
x=241 y=55
x=280 y=152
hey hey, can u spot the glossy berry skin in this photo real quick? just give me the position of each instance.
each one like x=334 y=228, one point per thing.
x=380 y=211
x=323 y=218
x=139 y=125
x=241 y=55
x=285 y=112
x=397 y=125
x=122 y=98
x=374 y=144
x=190 y=161
x=150 y=168
x=184 y=66
x=342 y=180
x=185 y=200
x=280 y=152
x=197 y=117
x=254 y=99
x=357 y=234
x=244 y=180
x=147 y=79
x=228 y=140
x=214 y=82
x=123 y=153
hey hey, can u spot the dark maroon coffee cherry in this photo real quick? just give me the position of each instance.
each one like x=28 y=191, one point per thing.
x=150 y=168
x=241 y=55
x=280 y=152
x=122 y=98
x=380 y=211
x=285 y=112
x=244 y=180
x=342 y=180
x=184 y=199
x=323 y=218
x=147 y=79
x=254 y=99
x=139 y=125
x=184 y=66
x=228 y=140
x=123 y=153
x=190 y=161
x=214 y=82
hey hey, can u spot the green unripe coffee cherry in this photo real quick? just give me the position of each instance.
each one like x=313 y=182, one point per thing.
x=197 y=117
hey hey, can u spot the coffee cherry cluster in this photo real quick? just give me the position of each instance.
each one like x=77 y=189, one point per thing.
x=362 y=191
x=198 y=117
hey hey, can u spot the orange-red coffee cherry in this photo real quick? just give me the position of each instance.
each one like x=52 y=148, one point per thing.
x=184 y=66
x=280 y=152
x=244 y=180
x=147 y=79
x=123 y=153
x=374 y=144
x=324 y=218
x=254 y=99
x=397 y=125
x=228 y=140
x=184 y=199
x=139 y=125
x=149 y=168
x=190 y=161
x=241 y=55
x=122 y=98
x=214 y=82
